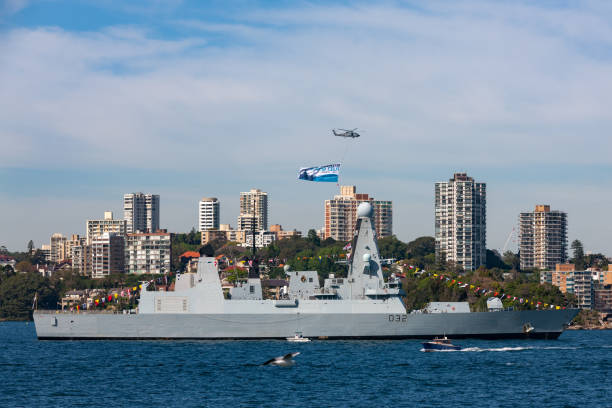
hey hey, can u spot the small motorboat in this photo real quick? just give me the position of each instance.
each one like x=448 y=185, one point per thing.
x=298 y=338
x=440 y=344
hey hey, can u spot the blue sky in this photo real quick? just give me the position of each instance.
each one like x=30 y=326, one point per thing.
x=192 y=99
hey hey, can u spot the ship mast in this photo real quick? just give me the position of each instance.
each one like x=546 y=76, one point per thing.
x=254 y=264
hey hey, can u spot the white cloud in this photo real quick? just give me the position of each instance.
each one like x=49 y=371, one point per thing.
x=458 y=84
x=10 y=7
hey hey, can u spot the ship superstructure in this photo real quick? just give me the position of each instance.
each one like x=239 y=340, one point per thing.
x=362 y=305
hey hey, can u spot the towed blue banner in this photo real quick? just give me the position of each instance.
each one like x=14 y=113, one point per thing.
x=320 y=173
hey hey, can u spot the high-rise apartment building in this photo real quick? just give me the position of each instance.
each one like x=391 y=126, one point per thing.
x=96 y=228
x=81 y=258
x=460 y=221
x=341 y=214
x=58 y=247
x=46 y=251
x=141 y=212
x=253 y=210
x=107 y=255
x=147 y=252
x=542 y=238
x=208 y=214
x=61 y=247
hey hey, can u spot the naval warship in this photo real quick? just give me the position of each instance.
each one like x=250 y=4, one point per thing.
x=361 y=306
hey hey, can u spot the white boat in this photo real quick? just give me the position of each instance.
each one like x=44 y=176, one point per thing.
x=298 y=338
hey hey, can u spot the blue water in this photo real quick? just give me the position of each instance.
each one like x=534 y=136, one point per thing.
x=573 y=371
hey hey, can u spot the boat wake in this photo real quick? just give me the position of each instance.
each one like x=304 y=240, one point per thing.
x=498 y=349
x=478 y=349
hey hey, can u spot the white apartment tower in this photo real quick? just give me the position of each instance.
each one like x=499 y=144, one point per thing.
x=253 y=210
x=96 y=228
x=141 y=212
x=542 y=238
x=58 y=247
x=460 y=212
x=147 y=253
x=208 y=214
x=341 y=215
x=107 y=255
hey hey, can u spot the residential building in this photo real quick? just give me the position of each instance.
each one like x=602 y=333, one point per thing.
x=262 y=239
x=602 y=277
x=580 y=283
x=565 y=267
x=460 y=221
x=107 y=255
x=542 y=238
x=81 y=258
x=603 y=298
x=213 y=235
x=208 y=214
x=96 y=228
x=46 y=251
x=236 y=235
x=253 y=210
x=282 y=234
x=141 y=212
x=75 y=239
x=583 y=289
x=546 y=277
x=147 y=252
x=341 y=215
x=564 y=281
x=224 y=233
x=6 y=260
x=58 y=247
x=191 y=259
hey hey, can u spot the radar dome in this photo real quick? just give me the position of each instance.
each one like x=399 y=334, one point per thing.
x=366 y=257
x=287 y=268
x=364 y=210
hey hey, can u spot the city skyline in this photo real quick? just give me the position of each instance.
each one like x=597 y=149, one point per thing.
x=256 y=90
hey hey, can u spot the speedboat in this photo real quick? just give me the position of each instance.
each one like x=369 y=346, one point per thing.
x=440 y=344
x=298 y=338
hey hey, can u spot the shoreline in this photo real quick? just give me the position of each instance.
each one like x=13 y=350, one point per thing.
x=590 y=328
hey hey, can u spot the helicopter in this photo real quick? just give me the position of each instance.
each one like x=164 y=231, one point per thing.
x=346 y=133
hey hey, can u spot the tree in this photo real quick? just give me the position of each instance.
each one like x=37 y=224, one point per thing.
x=194 y=237
x=494 y=260
x=578 y=260
x=207 y=250
x=272 y=251
x=25 y=266
x=597 y=261
x=329 y=241
x=512 y=260
x=440 y=261
x=38 y=258
x=30 y=247
x=17 y=293
x=421 y=247
x=231 y=250
x=391 y=247
x=313 y=237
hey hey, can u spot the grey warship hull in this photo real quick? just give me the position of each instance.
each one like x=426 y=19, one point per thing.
x=489 y=325
x=361 y=306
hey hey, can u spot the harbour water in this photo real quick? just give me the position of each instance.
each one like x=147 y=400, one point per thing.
x=573 y=371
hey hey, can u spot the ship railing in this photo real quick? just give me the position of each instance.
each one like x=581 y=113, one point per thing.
x=126 y=311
